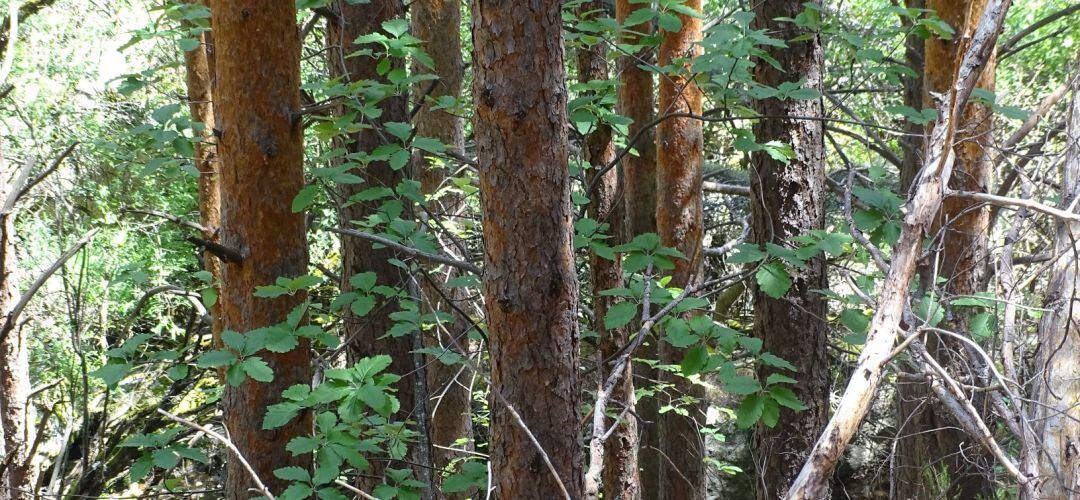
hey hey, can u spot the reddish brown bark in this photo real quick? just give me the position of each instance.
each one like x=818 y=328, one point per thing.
x=930 y=444
x=261 y=151
x=620 y=477
x=437 y=23
x=680 y=158
x=529 y=284
x=199 y=73
x=787 y=201
x=636 y=100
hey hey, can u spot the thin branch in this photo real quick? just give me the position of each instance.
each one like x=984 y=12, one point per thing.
x=730 y=189
x=9 y=323
x=169 y=217
x=228 y=444
x=1005 y=201
x=407 y=250
x=40 y=177
x=1007 y=45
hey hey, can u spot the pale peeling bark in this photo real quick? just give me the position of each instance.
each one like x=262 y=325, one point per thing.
x=922 y=207
x=16 y=413
x=788 y=201
x=261 y=151
x=680 y=159
x=613 y=469
x=437 y=23
x=1059 y=343
x=930 y=444
x=529 y=284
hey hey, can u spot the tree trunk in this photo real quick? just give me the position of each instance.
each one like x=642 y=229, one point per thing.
x=199 y=72
x=929 y=441
x=680 y=159
x=262 y=153
x=1059 y=342
x=788 y=201
x=620 y=477
x=529 y=284
x=16 y=414
x=437 y=23
x=636 y=100
x=912 y=143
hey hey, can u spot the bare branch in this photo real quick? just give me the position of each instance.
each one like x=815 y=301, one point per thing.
x=9 y=323
x=228 y=444
x=407 y=250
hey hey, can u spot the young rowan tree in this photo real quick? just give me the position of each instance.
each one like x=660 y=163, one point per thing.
x=636 y=100
x=437 y=23
x=620 y=476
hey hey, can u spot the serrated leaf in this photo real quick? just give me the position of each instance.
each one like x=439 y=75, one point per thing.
x=770 y=359
x=749 y=411
x=639 y=16
x=773 y=279
x=293 y=474
x=214 y=359
x=301 y=445
x=770 y=412
x=165 y=458
x=112 y=373
x=746 y=253
x=694 y=360
x=279 y=415
x=786 y=398
x=669 y=22
x=472 y=475
x=304 y=198
x=741 y=384
x=619 y=315
x=777 y=378
x=677 y=333
x=258 y=370
x=141 y=467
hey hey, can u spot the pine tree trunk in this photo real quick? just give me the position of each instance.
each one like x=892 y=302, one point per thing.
x=199 y=72
x=788 y=201
x=930 y=444
x=680 y=159
x=620 y=477
x=437 y=23
x=530 y=284
x=261 y=151
x=636 y=100
x=1059 y=342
